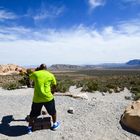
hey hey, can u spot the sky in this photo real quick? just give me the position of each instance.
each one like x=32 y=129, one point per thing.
x=69 y=31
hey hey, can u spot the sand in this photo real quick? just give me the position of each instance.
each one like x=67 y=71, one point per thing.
x=94 y=119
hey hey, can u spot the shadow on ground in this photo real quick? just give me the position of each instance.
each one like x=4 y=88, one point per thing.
x=15 y=130
x=129 y=129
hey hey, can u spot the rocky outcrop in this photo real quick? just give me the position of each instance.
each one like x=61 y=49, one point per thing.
x=131 y=116
x=10 y=69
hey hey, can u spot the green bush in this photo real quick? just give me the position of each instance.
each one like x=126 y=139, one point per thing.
x=111 y=86
x=63 y=85
x=136 y=96
x=90 y=80
x=132 y=82
x=79 y=84
x=22 y=81
x=11 y=86
x=90 y=86
x=25 y=81
x=103 y=88
x=135 y=89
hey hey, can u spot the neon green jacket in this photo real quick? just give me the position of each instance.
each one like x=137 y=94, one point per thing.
x=43 y=81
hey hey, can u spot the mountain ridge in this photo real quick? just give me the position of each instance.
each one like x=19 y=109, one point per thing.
x=131 y=64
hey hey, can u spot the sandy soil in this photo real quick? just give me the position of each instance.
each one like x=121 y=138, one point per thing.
x=94 y=119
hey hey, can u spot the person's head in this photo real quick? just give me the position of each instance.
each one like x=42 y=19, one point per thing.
x=37 y=69
x=42 y=67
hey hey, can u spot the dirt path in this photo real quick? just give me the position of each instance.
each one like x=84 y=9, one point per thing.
x=94 y=119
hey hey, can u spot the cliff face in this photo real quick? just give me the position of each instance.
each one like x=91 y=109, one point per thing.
x=11 y=69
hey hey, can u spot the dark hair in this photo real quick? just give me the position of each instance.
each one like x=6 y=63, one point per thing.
x=43 y=67
x=37 y=69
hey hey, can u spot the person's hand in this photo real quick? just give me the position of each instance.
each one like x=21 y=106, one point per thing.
x=53 y=89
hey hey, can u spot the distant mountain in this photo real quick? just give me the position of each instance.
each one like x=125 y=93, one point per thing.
x=134 y=62
x=30 y=66
x=65 y=67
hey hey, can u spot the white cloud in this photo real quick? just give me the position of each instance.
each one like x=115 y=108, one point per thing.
x=78 y=45
x=13 y=33
x=4 y=15
x=52 y=13
x=45 y=12
x=132 y=1
x=96 y=3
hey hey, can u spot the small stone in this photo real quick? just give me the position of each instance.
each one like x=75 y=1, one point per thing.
x=128 y=97
x=44 y=112
x=71 y=110
x=103 y=93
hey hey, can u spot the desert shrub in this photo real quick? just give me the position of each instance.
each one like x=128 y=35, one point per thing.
x=136 y=96
x=29 y=71
x=116 y=90
x=136 y=92
x=106 y=80
x=90 y=80
x=121 y=88
x=103 y=88
x=90 y=86
x=80 y=83
x=132 y=82
x=11 y=86
x=26 y=80
x=103 y=85
x=111 y=86
x=22 y=81
x=135 y=89
x=63 y=85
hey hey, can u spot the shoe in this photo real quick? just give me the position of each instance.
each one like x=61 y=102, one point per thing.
x=55 y=126
x=29 y=130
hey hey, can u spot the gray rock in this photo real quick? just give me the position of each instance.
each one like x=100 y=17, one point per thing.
x=71 y=110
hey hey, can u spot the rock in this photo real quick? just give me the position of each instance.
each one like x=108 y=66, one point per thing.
x=128 y=97
x=43 y=112
x=81 y=95
x=131 y=116
x=71 y=110
x=74 y=89
x=103 y=93
x=10 y=69
x=74 y=95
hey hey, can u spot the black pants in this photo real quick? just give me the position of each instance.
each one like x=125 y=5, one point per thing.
x=36 y=108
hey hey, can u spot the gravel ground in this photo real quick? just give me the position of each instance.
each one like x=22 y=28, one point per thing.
x=94 y=119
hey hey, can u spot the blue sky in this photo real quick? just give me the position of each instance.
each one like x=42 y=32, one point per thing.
x=69 y=31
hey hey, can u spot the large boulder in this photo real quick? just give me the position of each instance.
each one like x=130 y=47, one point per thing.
x=131 y=116
x=10 y=69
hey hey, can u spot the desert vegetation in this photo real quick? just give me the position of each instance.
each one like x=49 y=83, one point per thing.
x=11 y=82
x=90 y=81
